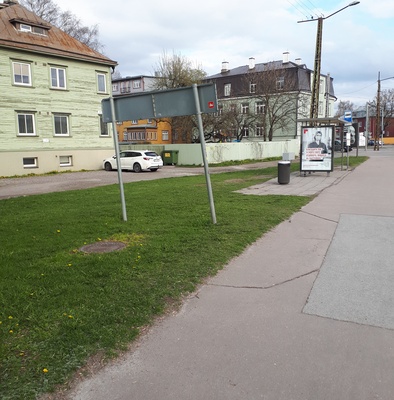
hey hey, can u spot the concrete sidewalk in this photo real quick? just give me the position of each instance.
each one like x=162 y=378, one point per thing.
x=305 y=313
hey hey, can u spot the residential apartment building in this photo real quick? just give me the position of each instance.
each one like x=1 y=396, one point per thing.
x=264 y=101
x=140 y=132
x=51 y=89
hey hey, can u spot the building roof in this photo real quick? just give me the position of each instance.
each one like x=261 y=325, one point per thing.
x=261 y=67
x=55 y=42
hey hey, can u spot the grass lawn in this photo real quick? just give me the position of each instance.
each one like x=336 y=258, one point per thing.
x=59 y=305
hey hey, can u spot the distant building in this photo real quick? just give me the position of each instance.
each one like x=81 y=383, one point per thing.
x=270 y=96
x=140 y=132
x=51 y=90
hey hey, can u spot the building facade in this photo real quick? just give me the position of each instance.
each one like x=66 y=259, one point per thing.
x=264 y=101
x=52 y=86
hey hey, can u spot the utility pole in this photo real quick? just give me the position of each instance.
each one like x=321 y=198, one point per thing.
x=314 y=110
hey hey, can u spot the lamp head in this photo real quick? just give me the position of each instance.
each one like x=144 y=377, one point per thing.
x=354 y=3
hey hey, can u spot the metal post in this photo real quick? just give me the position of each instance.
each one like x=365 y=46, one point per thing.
x=117 y=152
x=366 y=135
x=377 y=130
x=203 y=150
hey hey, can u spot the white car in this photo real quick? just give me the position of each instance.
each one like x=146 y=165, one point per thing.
x=135 y=160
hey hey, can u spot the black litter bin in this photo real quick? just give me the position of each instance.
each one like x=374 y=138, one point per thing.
x=170 y=157
x=283 y=172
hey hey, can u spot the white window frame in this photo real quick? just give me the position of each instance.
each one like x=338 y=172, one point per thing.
x=260 y=107
x=104 y=128
x=62 y=118
x=22 y=74
x=28 y=121
x=101 y=82
x=27 y=164
x=280 y=83
x=245 y=108
x=165 y=136
x=259 y=130
x=137 y=84
x=25 y=28
x=58 y=78
x=227 y=89
x=252 y=87
x=245 y=131
x=65 y=161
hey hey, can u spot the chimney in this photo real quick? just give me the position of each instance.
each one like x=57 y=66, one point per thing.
x=224 y=67
x=251 y=62
x=298 y=61
x=286 y=57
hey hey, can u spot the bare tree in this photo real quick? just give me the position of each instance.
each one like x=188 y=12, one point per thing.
x=175 y=71
x=69 y=23
x=386 y=107
x=344 y=106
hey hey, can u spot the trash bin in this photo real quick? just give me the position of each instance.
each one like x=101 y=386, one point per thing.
x=170 y=157
x=283 y=172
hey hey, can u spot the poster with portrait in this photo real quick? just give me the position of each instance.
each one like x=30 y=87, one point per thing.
x=317 y=153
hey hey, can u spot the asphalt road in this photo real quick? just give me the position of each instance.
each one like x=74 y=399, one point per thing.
x=26 y=186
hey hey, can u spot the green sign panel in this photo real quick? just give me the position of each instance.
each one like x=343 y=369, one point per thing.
x=161 y=104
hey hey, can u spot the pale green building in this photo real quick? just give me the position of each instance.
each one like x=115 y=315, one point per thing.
x=51 y=89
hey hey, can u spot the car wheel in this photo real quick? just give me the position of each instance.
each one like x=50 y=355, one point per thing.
x=108 y=166
x=137 y=167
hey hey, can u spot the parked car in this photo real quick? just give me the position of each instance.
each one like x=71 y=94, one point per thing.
x=135 y=160
x=338 y=147
x=371 y=142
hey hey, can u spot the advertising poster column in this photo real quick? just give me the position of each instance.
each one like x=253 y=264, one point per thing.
x=317 y=153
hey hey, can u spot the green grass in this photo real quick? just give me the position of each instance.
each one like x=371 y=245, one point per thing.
x=59 y=305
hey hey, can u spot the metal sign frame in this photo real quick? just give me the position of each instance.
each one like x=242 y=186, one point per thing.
x=193 y=100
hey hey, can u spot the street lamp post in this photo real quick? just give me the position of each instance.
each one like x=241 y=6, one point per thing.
x=314 y=111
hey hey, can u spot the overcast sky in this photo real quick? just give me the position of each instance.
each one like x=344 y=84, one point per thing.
x=358 y=42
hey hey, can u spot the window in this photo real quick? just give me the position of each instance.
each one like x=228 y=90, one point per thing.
x=245 y=108
x=227 y=89
x=58 y=78
x=321 y=89
x=103 y=127
x=259 y=130
x=30 y=162
x=320 y=107
x=25 y=28
x=260 y=107
x=137 y=84
x=65 y=161
x=252 y=88
x=137 y=135
x=22 y=73
x=280 y=83
x=164 y=135
x=26 y=124
x=101 y=83
x=134 y=121
x=245 y=131
x=125 y=87
x=61 y=125
x=151 y=135
x=114 y=87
